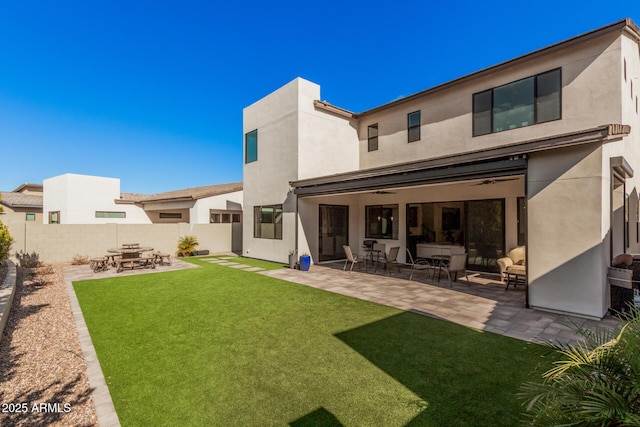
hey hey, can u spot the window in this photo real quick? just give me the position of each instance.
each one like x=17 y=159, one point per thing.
x=170 y=215
x=31 y=217
x=529 y=101
x=381 y=222
x=372 y=136
x=105 y=214
x=224 y=217
x=267 y=222
x=251 y=146
x=413 y=126
x=54 y=217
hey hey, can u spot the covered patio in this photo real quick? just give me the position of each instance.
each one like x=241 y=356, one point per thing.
x=482 y=304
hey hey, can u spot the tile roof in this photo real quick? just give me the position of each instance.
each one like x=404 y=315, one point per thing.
x=193 y=193
x=29 y=186
x=20 y=200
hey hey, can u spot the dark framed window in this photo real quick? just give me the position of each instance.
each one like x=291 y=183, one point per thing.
x=372 y=137
x=251 y=146
x=267 y=222
x=170 y=215
x=381 y=221
x=413 y=126
x=107 y=214
x=54 y=217
x=224 y=217
x=525 y=102
x=31 y=217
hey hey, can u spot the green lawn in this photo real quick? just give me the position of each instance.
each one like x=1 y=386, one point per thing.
x=217 y=346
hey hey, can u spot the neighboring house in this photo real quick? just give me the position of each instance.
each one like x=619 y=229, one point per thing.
x=84 y=199
x=537 y=151
x=24 y=204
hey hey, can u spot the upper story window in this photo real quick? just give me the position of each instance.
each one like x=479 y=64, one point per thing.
x=372 y=137
x=251 y=146
x=413 y=126
x=31 y=217
x=535 y=99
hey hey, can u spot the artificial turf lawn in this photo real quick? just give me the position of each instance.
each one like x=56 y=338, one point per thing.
x=218 y=346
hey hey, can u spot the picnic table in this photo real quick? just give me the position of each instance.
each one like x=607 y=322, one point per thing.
x=131 y=255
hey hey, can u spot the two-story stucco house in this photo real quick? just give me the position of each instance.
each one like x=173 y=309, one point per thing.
x=539 y=151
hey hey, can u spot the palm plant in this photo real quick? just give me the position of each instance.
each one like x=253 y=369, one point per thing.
x=594 y=383
x=187 y=245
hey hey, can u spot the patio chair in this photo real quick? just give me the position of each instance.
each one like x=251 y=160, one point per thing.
x=419 y=265
x=351 y=258
x=391 y=259
x=457 y=263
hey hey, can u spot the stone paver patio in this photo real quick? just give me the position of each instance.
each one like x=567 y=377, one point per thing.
x=483 y=304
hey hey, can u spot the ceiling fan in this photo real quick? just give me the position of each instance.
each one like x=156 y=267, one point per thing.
x=494 y=181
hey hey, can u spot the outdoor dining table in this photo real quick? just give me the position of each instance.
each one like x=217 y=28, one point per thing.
x=439 y=261
x=371 y=254
x=130 y=252
x=131 y=255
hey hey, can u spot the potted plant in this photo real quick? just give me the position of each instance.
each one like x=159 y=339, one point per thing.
x=292 y=259
x=305 y=261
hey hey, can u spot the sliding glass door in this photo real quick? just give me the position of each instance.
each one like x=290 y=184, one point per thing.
x=485 y=233
x=333 y=232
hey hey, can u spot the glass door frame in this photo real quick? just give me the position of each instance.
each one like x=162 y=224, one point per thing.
x=338 y=252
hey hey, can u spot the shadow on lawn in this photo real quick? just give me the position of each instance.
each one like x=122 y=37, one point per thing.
x=455 y=371
x=318 y=418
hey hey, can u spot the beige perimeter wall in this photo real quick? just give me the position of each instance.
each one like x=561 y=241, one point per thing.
x=61 y=242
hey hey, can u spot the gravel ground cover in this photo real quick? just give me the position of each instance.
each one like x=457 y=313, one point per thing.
x=43 y=379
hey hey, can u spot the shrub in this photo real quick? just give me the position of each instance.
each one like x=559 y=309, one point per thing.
x=186 y=245
x=80 y=259
x=28 y=260
x=5 y=242
x=595 y=383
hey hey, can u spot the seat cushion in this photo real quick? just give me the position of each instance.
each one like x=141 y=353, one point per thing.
x=520 y=269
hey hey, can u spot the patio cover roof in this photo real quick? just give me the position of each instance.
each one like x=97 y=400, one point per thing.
x=505 y=160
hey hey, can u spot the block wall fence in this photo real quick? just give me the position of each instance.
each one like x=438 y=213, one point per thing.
x=57 y=243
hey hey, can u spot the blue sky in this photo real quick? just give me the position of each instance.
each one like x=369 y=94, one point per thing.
x=152 y=92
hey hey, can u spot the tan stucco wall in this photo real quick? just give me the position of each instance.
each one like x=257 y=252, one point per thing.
x=567 y=250
x=60 y=243
x=590 y=97
x=295 y=140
